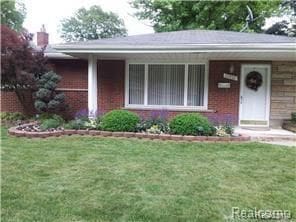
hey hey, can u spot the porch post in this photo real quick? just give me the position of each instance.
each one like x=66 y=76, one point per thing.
x=92 y=86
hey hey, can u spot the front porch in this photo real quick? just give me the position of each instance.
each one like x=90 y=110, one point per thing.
x=108 y=84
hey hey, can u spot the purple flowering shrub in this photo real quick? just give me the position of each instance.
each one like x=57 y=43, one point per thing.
x=82 y=120
x=223 y=123
x=156 y=123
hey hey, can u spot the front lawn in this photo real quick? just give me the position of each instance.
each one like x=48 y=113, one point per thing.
x=111 y=179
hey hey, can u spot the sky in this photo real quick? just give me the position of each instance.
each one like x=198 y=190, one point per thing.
x=51 y=12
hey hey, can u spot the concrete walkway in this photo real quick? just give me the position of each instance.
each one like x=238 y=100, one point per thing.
x=267 y=135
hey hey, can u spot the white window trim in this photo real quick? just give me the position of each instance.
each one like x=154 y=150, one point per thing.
x=185 y=107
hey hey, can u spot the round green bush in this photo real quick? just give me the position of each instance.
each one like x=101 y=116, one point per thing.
x=120 y=121
x=190 y=124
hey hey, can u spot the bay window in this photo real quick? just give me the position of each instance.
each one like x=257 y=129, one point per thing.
x=166 y=86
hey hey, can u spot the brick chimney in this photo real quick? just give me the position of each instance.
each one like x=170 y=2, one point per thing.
x=42 y=37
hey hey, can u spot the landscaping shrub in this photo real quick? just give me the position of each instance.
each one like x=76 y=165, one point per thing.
x=47 y=116
x=190 y=124
x=154 y=124
x=47 y=99
x=293 y=117
x=12 y=116
x=76 y=124
x=84 y=123
x=50 y=124
x=120 y=120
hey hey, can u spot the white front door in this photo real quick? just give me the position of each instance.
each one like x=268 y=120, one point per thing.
x=254 y=95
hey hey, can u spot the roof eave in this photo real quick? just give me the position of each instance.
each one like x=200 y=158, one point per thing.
x=272 y=47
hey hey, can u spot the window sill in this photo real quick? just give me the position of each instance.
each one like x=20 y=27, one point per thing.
x=177 y=109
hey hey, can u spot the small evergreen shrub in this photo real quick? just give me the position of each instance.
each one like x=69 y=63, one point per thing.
x=190 y=124
x=47 y=99
x=120 y=121
x=293 y=117
x=50 y=124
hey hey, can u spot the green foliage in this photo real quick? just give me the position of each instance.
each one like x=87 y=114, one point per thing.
x=76 y=124
x=90 y=24
x=155 y=129
x=13 y=14
x=118 y=179
x=12 y=116
x=47 y=99
x=84 y=123
x=293 y=117
x=50 y=124
x=120 y=120
x=153 y=124
x=190 y=124
x=46 y=116
x=171 y=15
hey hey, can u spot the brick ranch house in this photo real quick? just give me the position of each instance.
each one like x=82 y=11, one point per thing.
x=250 y=77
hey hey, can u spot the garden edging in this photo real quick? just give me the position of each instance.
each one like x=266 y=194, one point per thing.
x=20 y=133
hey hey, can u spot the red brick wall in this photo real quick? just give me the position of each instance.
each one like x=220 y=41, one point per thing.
x=111 y=74
x=73 y=72
x=73 y=83
x=224 y=101
x=10 y=102
x=110 y=85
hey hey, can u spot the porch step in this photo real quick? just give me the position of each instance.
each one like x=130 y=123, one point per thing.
x=274 y=138
x=256 y=128
x=266 y=134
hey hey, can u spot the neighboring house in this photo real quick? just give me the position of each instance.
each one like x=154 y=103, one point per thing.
x=249 y=77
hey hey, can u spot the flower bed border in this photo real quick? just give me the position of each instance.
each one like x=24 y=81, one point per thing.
x=20 y=133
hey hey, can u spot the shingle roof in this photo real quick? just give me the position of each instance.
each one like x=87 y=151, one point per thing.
x=190 y=37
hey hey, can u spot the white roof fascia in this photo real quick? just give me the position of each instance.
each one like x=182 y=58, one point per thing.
x=273 y=47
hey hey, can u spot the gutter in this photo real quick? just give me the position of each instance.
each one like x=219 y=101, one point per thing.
x=58 y=55
x=184 y=48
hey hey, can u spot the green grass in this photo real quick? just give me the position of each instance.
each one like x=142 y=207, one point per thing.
x=110 y=179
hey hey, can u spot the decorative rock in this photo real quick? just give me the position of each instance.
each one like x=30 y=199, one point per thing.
x=189 y=138
x=165 y=136
x=146 y=136
x=224 y=139
x=94 y=132
x=128 y=134
x=212 y=138
x=200 y=138
x=176 y=137
x=139 y=135
x=118 y=134
x=106 y=133
x=82 y=132
x=69 y=132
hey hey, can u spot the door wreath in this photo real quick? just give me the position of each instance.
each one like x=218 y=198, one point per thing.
x=254 y=80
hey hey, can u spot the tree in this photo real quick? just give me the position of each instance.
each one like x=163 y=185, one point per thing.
x=284 y=27
x=171 y=15
x=92 y=24
x=12 y=14
x=46 y=97
x=21 y=65
x=278 y=28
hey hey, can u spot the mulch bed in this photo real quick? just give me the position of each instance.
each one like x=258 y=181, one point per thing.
x=32 y=130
